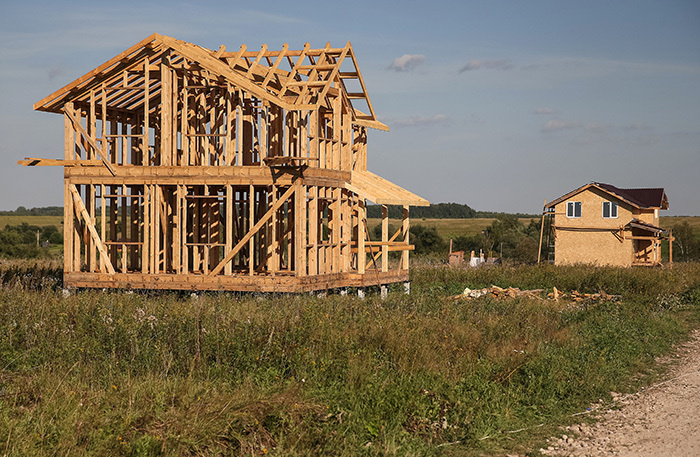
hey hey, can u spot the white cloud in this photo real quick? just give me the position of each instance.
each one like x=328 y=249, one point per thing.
x=556 y=125
x=543 y=110
x=502 y=65
x=407 y=62
x=418 y=120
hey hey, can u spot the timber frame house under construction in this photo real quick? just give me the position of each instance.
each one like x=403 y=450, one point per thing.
x=189 y=168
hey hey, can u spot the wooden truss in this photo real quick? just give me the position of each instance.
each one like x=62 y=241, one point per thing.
x=187 y=168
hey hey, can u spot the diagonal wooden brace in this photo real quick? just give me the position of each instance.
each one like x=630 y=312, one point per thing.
x=104 y=257
x=90 y=140
x=232 y=253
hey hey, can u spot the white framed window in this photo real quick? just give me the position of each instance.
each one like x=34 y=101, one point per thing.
x=573 y=209
x=610 y=210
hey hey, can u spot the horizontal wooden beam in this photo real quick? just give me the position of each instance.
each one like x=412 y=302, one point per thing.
x=255 y=283
x=37 y=162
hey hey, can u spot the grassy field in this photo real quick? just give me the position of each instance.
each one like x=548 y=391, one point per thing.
x=451 y=228
x=448 y=228
x=40 y=221
x=148 y=374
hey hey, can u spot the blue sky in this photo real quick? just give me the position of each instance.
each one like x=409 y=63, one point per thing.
x=498 y=104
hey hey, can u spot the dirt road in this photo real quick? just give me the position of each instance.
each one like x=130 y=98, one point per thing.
x=662 y=420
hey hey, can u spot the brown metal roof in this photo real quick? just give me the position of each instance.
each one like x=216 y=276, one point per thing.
x=639 y=197
x=642 y=197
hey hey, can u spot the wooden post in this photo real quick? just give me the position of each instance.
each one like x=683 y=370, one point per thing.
x=385 y=238
x=313 y=230
x=406 y=232
x=361 y=230
x=166 y=97
x=300 y=221
x=251 y=222
x=670 y=248
x=539 y=251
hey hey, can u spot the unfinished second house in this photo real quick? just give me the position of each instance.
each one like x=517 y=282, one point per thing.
x=605 y=225
x=190 y=168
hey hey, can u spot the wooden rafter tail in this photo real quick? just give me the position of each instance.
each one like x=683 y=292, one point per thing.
x=233 y=61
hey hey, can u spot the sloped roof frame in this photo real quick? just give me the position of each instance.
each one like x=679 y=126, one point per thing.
x=216 y=62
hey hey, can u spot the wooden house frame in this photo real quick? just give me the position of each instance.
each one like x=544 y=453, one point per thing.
x=602 y=224
x=190 y=168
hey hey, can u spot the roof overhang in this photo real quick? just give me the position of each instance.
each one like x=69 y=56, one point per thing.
x=379 y=190
x=637 y=224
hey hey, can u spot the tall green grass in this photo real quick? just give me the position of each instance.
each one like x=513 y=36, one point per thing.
x=138 y=374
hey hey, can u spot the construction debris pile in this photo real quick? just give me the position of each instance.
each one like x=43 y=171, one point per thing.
x=555 y=294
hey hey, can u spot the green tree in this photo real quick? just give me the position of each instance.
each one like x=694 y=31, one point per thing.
x=686 y=245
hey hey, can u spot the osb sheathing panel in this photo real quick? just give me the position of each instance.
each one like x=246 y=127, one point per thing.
x=601 y=248
x=592 y=211
x=598 y=247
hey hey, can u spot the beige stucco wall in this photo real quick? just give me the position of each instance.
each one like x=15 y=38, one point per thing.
x=599 y=245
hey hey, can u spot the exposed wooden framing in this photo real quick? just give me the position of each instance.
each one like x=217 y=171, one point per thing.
x=385 y=238
x=80 y=209
x=406 y=241
x=208 y=169
x=80 y=129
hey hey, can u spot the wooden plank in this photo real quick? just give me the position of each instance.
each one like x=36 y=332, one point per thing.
x=251 y=218
x=273 y=69
x=228 y=226
x=253 y=230
x=104 y=257
x=295 y=69
x=166 y=98
x=300 y=221
x=146 y=113
x=385 y=238
x=79 y=128
x=259 y=56
x=361 y=230
x=405 y=228
x=37 y=162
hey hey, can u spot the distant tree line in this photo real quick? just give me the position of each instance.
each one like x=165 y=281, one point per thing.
x=436 y=211
x=45 y=211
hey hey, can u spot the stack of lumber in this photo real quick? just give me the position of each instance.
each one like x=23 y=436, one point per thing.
x=601 y=296
x=513 y=292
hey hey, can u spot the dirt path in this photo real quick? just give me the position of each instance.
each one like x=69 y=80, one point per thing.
x=662 y=420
